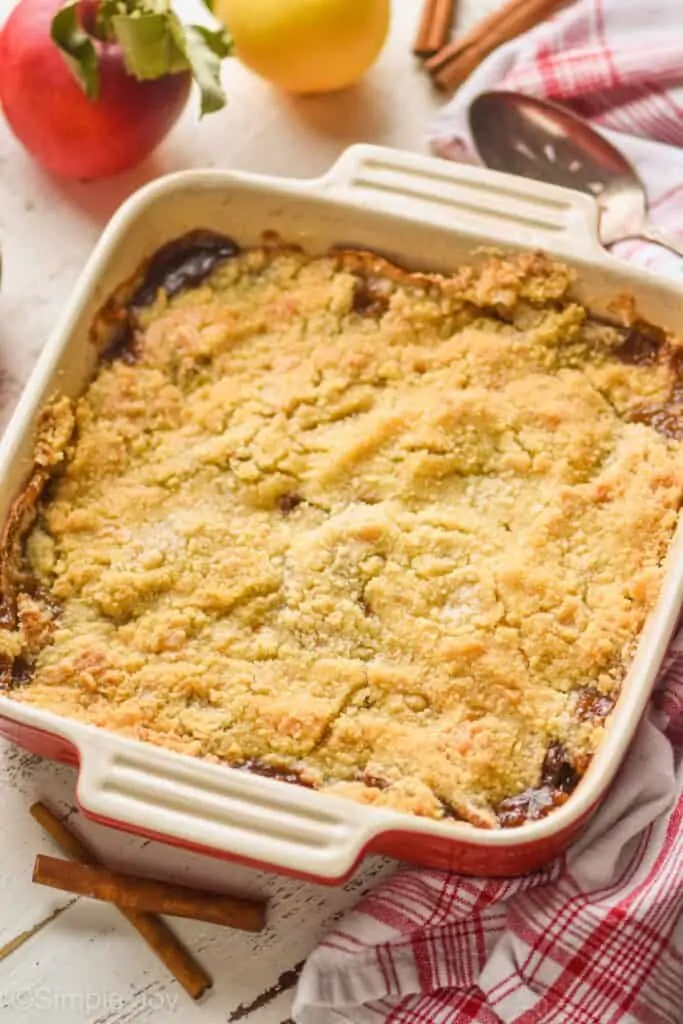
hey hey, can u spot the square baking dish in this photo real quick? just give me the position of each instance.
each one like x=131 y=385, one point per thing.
x=425 y=214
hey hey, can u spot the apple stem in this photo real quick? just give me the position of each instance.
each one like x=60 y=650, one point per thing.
x=87 y=16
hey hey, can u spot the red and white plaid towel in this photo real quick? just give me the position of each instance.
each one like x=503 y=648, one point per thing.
x=618 y=63
x=596 y=938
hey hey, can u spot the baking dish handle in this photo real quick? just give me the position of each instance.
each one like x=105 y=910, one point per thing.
x=218 y=809
x=490 y=205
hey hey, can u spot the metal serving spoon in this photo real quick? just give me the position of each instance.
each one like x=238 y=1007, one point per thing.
x=547 y=142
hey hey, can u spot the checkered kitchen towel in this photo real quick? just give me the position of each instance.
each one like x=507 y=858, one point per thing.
x=618 y=63
x=597 y=938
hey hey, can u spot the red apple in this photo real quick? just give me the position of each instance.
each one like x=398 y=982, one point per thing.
x=71 y=135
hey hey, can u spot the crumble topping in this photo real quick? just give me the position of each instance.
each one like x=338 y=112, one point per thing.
x=391 y=535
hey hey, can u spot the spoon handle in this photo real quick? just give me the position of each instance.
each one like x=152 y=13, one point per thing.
x=652 y=234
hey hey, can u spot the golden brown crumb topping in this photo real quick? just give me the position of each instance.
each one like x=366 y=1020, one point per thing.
x=394 y=535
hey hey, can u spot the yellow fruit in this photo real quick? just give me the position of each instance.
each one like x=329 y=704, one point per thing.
x=307 y=46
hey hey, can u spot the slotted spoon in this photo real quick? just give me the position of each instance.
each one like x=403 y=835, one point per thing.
x=542 y=140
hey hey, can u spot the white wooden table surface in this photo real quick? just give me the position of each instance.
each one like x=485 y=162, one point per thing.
x=75 y=961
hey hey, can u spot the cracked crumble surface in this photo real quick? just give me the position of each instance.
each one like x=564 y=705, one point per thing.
x=394 y=534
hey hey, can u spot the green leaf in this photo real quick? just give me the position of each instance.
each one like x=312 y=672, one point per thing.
x=153 y=40
x=217 y=40
x=77 y=49
x=204 y=49
x=149 y=46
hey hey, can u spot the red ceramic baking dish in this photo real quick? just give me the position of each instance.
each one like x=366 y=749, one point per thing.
x=425 y=214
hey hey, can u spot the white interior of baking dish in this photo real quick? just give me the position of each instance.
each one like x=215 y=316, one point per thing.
x=426 y=214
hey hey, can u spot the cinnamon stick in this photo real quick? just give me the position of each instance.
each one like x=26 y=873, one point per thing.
x=456 y=62
x=156 y=933
x=479 y=30
x=137 y=893
x=435 y=27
